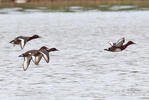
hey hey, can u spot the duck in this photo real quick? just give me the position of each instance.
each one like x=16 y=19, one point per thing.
x=45 y=53
x=119 y=45
x=36 y=55
x=22 y=40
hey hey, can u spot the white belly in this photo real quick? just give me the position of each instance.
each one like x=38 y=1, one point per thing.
x=117 y=50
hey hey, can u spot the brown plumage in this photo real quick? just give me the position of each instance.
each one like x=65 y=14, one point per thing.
x=37 y=55
x=120 y=47
x=22 y=40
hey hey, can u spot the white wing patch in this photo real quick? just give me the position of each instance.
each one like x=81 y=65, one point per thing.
x=26 y=62
x=120 y=42
x=33 y=59
x=38 y=58
x=22 y=44
x=111 y=43
x=46 y=57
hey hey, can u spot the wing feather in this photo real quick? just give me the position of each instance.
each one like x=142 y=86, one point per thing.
x=38 y=58
x=26 y=62
x=22 y=43
x=120 y=42
x=111 y=43
x=45 y=55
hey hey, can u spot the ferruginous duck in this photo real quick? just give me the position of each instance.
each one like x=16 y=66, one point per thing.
x=119 y=45
x=36 y=55
x=22 y=40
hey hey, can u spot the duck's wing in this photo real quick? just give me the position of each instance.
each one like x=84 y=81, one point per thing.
x=27 y=61
x=120 y=42
x=111 y=43
x=37 y=59
x=23 y=42
x=45 y=55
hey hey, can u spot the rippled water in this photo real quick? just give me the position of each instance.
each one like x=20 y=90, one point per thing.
x=81 y=70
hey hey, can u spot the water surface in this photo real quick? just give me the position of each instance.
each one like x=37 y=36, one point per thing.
x=81 y=70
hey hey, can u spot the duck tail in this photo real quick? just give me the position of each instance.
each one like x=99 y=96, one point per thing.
x=106 y=49
x=21 y=55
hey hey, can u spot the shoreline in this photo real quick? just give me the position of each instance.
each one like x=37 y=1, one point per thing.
x=81 y=5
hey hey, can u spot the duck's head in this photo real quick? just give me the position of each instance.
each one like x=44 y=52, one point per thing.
x=36 y=36
x=53 y=49
x=130 y=42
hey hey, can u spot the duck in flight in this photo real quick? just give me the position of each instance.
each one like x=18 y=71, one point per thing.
x=22 y=40
x=119 y=45
x=36 y=55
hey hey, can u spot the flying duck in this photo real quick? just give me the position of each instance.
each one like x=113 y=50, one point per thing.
x=119 y=45
x=22 y=40
x=36 y=55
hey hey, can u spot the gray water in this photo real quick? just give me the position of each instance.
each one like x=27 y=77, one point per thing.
x=81 y=70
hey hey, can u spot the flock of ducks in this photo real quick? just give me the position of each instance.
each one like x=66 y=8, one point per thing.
x=36 y=55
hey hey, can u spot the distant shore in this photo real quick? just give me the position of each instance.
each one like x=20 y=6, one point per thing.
x=104 y=5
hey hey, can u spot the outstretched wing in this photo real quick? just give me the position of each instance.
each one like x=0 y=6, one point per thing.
x=45 y=55
x=22 y=43
x=27 y=61
x=38 y=58
x=111 y=43
x=120 y=42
